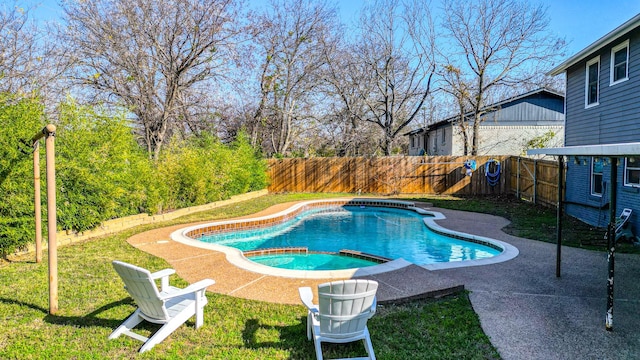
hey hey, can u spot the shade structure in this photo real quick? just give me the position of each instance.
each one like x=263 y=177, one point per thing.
x=612 y=151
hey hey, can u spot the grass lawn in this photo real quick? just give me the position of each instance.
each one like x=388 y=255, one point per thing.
x=533 y=221
x=93 y=302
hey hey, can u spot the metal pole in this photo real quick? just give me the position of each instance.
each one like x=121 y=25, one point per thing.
x=51 y=217
x=36 y=201
x=535 y=181
x=559 y=219
x=518 y=180
x=611 y=241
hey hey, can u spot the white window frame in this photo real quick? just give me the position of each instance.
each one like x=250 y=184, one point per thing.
x=591 y=179
x=626 y=173
x=614 y=50
x=595 y=60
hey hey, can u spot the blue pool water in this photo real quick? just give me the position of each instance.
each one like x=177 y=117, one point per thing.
x=386 y=232
x=311 y=261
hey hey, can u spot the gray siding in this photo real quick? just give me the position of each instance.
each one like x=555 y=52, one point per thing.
x=594 y=209
x=580 y=203
x=617 y=117
x=525 y=113
x=505 y=130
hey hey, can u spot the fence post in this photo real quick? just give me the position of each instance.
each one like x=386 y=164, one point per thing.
x=49 y=132
x=51 y=219
x=36 y=200
x=518 y=179
x=535 y=181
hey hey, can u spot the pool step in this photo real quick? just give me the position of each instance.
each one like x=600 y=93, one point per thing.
x=364 y=256
x=276 y=251
x=304 y=250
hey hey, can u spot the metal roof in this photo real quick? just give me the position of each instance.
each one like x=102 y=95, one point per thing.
x=596 y=46
x=487 y=107
x=615 y=150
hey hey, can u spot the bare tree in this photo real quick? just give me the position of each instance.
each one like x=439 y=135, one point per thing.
x=459 y=89
x=341 y=83
x=495 y=43
x=157 y=58
x=25 y=55
x=290 y=36
x=395 y=50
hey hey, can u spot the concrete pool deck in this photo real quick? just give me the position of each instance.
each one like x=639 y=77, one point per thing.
x=525 y=310
x=194 y=263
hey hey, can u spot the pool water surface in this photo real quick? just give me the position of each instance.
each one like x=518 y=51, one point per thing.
x=385 y=232
x=311 y=261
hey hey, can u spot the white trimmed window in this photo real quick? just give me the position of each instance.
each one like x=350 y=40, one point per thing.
x=596 y=176
x=592 y=87
x=620 y=63
x=632 y=172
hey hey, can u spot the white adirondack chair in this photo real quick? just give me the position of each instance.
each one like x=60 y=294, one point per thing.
x=170 y=306
x=341 y=314
x=622 y=229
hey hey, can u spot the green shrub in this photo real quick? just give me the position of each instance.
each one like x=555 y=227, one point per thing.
x=21 y=118
x=201 y=169
x=102 y=172
x=250 y=170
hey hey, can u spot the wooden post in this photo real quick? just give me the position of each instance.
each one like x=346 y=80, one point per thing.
x=51 y=218
x=518 y=179
x=36 y=201
x=611 y=241
x=535 y=181
x=48 y=132
x=559 y=219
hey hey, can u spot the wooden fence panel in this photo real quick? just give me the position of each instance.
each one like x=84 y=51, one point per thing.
x=530 y=179
x=535 y=180
x=386 y=175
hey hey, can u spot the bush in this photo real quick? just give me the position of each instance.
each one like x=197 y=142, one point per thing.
x=250 y=170
x=21 y=118
x=200 y=170
x=102 y=173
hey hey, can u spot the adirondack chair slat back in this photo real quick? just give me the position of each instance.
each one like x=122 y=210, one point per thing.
x=345 y=306
x=142 y=289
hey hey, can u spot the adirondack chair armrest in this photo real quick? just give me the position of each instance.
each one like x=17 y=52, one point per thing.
x=373 y=307
x=193 y=288
x=306 y=295
x=163 y=275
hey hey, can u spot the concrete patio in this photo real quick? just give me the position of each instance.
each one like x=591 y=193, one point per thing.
x=526 y=311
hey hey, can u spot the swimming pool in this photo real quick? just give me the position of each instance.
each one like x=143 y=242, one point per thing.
x=274 y=232
x=311 y=261
x=386 y=232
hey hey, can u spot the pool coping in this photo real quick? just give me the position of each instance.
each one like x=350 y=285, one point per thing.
x=237 y=258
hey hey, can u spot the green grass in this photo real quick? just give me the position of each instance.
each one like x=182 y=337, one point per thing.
x=92 y=303
x=532 y=221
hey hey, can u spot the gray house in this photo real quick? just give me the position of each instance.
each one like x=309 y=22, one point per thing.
x=507 y=127
x=602 y=108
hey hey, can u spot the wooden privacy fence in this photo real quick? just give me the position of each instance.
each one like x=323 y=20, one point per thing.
x=535 y=180
x=388 y=175
x=529 y=179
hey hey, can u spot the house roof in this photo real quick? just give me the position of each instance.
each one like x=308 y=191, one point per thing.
x=494 y=105
x=596 y=46
x=615 y=150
